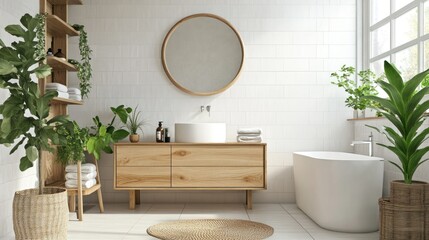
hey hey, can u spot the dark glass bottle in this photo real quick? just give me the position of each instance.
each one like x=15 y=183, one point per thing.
x=60 y=54
x=160 y=133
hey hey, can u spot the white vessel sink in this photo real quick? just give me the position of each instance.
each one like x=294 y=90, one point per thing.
x=200 y=132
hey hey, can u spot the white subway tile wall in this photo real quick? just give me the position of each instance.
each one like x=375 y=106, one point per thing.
x=11 y=178
x=291 y=48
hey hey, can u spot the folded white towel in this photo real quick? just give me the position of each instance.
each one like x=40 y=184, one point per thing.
x=249 y=139
x=60 y=94
x=85 y=184
x=57 y=86
x=83 y=176
x=86 y=168
x=249 y=135
x=75 y=97
x=74 y=91
x=249 y=131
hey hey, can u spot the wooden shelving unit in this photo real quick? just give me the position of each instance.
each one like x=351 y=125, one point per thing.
x=60 y=64
x=58 y=100
x=57 y=27
x=57 y=33
x=65 y=2
x=366 y=118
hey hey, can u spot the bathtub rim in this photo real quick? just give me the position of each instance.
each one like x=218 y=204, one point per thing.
x=355 y=157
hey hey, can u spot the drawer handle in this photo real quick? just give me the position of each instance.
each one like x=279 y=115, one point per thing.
x=181 y=153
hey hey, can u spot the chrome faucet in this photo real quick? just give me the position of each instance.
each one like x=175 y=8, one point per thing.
x=370 y=143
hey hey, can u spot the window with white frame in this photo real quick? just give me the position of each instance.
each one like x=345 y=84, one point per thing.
x=398 y=32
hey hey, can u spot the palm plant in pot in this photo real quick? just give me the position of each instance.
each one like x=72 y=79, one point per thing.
x=409 y=199
x=37 y=213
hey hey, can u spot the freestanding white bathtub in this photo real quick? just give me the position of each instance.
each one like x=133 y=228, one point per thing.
x=339 y=191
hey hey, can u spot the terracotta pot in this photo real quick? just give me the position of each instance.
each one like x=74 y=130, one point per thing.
x=134 y=138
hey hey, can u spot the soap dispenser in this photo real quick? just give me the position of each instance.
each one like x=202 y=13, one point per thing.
x=159 y=132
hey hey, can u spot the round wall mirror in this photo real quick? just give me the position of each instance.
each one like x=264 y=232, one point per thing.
x=203 y=54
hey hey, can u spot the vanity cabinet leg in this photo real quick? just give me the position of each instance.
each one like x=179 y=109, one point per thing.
x=249 y=199
x=137 y=197
x=132 y=199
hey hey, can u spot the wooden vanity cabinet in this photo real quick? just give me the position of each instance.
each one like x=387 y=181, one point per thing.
x=189 y=166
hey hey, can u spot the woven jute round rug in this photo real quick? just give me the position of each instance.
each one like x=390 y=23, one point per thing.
x=210 y=229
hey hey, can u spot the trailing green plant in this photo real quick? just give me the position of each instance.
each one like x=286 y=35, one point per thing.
x=103 y=135
x=24 y=114
x=84 y=67
x=404 y=108
x=134 y=122
x=72 y=150
x=367 y=87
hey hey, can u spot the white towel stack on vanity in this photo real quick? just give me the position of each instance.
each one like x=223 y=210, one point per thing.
x=59 y=88
x=75 y=94
x=249 y=135
x=88 y=175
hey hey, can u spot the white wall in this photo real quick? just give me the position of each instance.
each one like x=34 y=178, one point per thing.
x=390 y=171
x=11 y=178
x=292 y=46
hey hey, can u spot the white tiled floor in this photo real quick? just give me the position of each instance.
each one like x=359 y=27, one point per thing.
x=117 y=222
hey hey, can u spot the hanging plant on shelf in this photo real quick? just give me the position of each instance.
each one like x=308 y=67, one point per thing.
x=84 y=67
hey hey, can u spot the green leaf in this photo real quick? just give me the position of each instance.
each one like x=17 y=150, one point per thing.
x=6 y=67
x=32 y=153
x=59 y=119
x=25 y=164
x=90 y=145
x=26 y=19
x=17 y=145
x=102 y=131
x=43 y=71
x=107 y=149
x=15 y=30
x=2 y=44
x=5 y=126
x=393 y=76
x=411 y=86
x=119 y=135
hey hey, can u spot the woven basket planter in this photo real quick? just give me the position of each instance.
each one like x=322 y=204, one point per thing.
x=40 y=216
x=415 y=194
x=405 y=216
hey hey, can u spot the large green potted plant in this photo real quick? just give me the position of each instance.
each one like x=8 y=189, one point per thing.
x=404 y=109
x=37 y=213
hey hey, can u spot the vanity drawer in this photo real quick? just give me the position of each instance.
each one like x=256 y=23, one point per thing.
x=143 y=177
x=143 y=155
x=217 y=156
x=218 y=177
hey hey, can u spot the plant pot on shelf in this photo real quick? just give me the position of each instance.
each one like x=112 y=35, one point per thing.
x=358 y=113
x=134 y=138
x=406 y=214
x=42 y=216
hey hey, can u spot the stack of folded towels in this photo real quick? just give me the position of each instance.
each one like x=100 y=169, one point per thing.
x=75 y=94
x=59 y=88
x=249 y=135
x=88 y=175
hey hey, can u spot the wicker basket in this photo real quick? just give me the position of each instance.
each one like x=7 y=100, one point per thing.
x=40 y=216
x=402 y=222
x=415 y=194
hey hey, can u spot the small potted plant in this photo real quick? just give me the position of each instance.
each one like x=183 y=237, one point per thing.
x=37 y=213
x=357 y=92
x=403 y=215
x=134 y=124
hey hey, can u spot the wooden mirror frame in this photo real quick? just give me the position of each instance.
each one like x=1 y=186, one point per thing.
x=167 y=71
